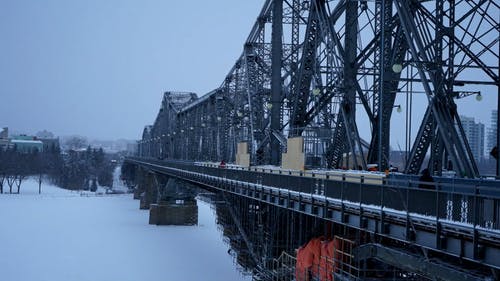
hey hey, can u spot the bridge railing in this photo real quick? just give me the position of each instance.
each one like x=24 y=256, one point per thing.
x=465 y=203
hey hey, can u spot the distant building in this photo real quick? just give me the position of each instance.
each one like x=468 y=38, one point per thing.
x=492 y=132
x=112 y=146
x=50 y=144
x=27 y=146
x=4 y=139
x=5 y=144
x=475 y=136
x=4 y=134
x=45 y=135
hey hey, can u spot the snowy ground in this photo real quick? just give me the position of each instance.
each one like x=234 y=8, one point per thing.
x=60 y=235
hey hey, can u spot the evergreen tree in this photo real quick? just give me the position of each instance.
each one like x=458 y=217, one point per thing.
x=93 y=187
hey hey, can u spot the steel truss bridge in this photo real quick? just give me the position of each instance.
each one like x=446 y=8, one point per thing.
x=323 y=70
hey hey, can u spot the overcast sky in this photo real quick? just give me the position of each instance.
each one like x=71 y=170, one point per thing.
x=98 y=68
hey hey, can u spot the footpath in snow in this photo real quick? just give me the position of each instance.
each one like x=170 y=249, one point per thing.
x=61 y=236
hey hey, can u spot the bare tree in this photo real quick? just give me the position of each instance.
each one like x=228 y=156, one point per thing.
x=39 y=166
x=19 y=180
x=2 y=180
x=2 y=169
x=40 y=183
x=76 y=142
x=10 y=181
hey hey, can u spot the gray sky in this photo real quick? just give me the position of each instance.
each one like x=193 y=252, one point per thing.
x=98 y=68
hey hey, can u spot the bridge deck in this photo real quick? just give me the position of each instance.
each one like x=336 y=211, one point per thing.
x=459 y=219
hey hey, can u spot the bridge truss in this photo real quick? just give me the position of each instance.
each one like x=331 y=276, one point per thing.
x=325 y=69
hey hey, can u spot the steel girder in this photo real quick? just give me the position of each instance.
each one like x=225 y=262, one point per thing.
x=411 y=262
x=442 y=108
x=307 y=65
x=346 y=128
x=392 y=52
x=301 y=94
x=276 y=89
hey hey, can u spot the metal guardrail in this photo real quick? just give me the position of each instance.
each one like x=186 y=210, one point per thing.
x=473 y=203
x=459 y=218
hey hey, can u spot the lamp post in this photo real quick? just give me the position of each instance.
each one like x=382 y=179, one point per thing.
x=397 y=68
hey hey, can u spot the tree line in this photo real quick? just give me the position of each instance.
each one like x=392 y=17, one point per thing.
x=74 y=169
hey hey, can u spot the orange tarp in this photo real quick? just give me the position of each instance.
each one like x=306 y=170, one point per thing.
x=315 y=247
x=304 y=263
x=326 y=263
x=320 y=257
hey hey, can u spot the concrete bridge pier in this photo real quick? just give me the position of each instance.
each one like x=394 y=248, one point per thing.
x=176 y=205
x=147 y=189
x=139 y=176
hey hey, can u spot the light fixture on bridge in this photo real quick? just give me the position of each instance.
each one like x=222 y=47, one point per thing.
x=305 y=5
x=316 y=91
x=464 y=94
x=182 y=130
x=269 y=105
x=239 y=113
x=191 y=128
x=219 y=118
x=397 y=68
x=203 y=125
x=398 y=108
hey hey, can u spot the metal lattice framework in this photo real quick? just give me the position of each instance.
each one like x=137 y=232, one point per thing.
x=320 y=68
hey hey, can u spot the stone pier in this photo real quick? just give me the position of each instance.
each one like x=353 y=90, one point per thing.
x=149 y=192
x=176 y=213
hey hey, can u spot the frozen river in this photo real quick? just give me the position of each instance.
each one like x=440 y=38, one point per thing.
x=60 y=235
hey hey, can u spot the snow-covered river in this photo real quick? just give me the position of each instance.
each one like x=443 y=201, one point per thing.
x=60 y=235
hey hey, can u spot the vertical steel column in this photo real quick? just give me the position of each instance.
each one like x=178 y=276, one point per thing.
x=349 y=101
x=276 y=87
x=379 y=147
x=451 y=61
x=380 y=89
x=385 y=49
x=437 y=150
x=498 y=118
